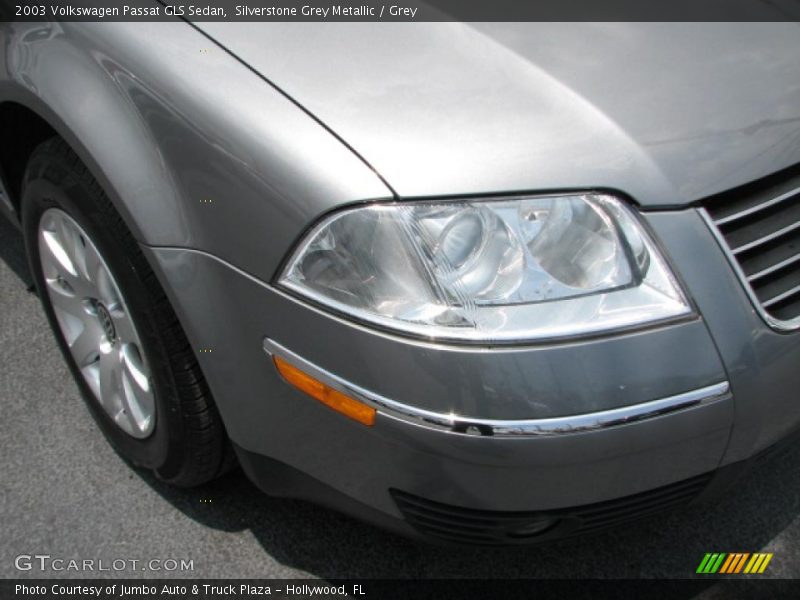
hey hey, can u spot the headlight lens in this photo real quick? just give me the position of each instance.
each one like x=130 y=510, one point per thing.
x=492 y=270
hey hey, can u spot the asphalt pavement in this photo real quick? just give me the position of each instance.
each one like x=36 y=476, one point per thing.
x=64 y=492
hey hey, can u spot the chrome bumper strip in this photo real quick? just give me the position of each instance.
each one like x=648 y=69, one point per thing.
x=460 y=424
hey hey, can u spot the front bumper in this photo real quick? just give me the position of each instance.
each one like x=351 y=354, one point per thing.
x=400 y=461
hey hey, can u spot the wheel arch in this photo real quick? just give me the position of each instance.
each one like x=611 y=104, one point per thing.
x=117 y=153
x=23 y=130
x=193 y=148
x=38 y=122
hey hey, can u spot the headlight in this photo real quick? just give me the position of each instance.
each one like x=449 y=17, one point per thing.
x=492 y=270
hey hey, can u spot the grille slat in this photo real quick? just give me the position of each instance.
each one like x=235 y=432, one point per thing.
x=442 y=517
x=646 y=509
x=598 y=525
x=774 y=268
x=776 y=286
x=771 y=254
x=787 y=309
x=760 y=225
x=460 y=524
x=781 y=297
x=759 y=241
x=755 y=209
x=644 y=505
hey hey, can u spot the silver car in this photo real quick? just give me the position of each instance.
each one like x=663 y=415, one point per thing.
x=484 y=283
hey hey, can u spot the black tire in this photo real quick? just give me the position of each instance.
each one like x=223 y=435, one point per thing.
x=188 y=445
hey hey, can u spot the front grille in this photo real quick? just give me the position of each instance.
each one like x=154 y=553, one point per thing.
x=760 y=225
x=472 y=526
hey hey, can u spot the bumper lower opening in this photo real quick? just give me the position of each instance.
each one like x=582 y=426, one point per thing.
x=487 y=527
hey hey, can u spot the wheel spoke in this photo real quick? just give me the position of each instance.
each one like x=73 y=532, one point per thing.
x=85 y=347
x=91 y=374
x=110 y=369
x=56 y=263
x=61 y=263
x=130 y=418
x=123 y=324
x=66 y=302
x=75 y=245
x=137 y=402
x=138 y=398
x=71 y=325
x=105 y=288
x=132 y=363
x=57 y=245
x=92 y=264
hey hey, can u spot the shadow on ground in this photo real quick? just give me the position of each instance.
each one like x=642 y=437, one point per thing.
x=12 y=251
x=328 y=545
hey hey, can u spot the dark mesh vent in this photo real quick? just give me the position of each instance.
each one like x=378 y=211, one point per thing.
x=472 y=526
x=760 y=223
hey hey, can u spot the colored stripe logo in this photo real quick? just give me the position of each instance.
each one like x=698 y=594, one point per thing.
x=733 y=563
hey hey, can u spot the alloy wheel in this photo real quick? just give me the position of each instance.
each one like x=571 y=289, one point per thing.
x=96 y=324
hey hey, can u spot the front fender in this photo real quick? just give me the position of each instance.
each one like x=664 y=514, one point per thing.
x=194 y=149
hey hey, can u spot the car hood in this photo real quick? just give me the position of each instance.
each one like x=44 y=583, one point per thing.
x=667 y=113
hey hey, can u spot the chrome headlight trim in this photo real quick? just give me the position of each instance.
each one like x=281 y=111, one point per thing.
x=493 y=270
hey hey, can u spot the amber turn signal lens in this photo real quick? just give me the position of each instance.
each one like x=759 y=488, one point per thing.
x=327 y=395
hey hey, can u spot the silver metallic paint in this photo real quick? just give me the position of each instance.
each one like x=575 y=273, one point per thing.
x=164 y=126
x=663 y=113
x=463 y=424
x=232 y=313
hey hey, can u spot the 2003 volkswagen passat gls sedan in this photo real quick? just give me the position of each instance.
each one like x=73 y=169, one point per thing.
x=489 y=283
